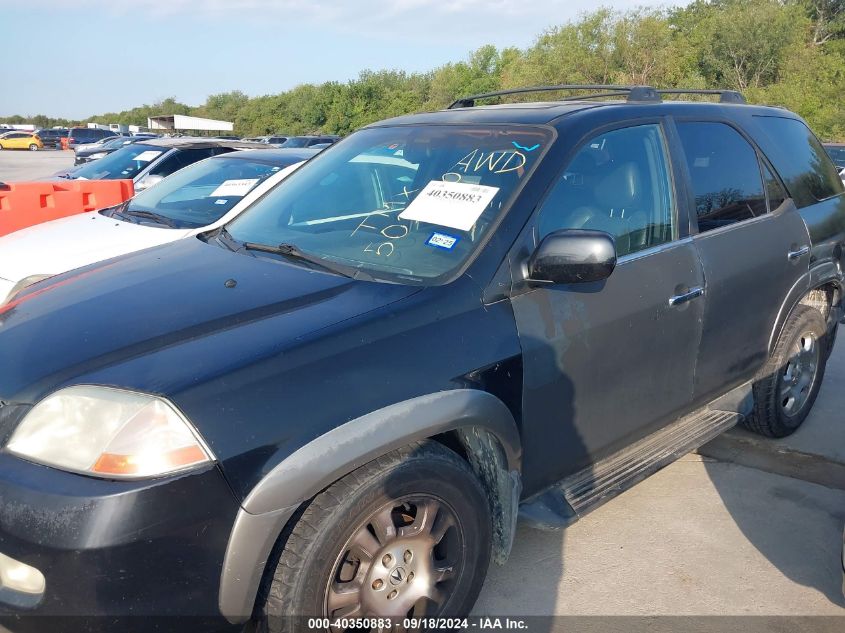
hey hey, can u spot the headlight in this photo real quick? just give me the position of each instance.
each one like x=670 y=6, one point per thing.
x=21 y=285
x=110 y=433
x=97 y=155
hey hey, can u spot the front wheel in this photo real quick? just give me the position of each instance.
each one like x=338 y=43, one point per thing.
x=407 y=535
x=787 y=387
x=33 y=147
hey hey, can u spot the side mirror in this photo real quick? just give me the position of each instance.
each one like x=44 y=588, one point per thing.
x=148 y=181
x=573 y=256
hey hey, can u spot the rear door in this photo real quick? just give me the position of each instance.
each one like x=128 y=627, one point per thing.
x=605 y=363
x=754 y=249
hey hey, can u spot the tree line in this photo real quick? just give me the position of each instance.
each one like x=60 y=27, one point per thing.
x=782 y=52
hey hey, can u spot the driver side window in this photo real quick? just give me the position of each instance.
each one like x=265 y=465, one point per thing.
x=618 y=182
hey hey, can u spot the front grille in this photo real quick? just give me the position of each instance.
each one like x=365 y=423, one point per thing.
x=10 y=415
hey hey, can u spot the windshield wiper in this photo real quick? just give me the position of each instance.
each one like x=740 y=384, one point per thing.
x=149 y=215
x=116 y=211
x=291 y=251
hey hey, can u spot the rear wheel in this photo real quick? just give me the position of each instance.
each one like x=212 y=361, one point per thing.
x=787 y=387
x=408 y=534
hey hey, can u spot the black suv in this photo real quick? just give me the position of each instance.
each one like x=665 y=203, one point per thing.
x=52 y=137
x=338 y=404
x=82 y=135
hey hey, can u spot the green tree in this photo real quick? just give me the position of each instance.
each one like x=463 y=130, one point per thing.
x=741 y=44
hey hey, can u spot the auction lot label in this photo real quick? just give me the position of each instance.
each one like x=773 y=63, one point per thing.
x=457 y=205
x=146 y=157
x=237 y=188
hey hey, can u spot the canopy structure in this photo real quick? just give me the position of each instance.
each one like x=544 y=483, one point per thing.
x=180 y=122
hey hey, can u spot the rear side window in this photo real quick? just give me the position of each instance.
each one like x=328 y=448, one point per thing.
x=724 y=172
x=802 y=162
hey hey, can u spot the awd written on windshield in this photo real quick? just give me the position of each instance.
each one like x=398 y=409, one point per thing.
x=392 y=228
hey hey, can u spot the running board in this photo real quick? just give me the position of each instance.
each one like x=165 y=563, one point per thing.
x=587 y=489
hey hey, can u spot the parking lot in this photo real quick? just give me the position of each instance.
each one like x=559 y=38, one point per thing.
x=17 y=165
x=746 y=527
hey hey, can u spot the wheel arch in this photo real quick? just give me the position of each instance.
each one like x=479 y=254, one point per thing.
x=477 y=424
x=815 y=291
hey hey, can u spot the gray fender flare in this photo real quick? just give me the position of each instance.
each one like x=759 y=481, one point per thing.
x=313 y=467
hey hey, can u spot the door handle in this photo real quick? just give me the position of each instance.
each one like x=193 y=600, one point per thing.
x=799 y=253
x=692 y=293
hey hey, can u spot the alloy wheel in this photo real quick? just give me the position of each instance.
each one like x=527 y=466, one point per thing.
x=800 y=373
x=403 y=560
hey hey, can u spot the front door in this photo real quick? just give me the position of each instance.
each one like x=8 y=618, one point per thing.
x=605 y=363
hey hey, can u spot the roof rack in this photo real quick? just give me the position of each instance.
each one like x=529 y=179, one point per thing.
x=636 y=94
x=725 y=96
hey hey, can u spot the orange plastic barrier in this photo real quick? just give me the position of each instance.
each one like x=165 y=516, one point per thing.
x=24 y=204
x=64 y=142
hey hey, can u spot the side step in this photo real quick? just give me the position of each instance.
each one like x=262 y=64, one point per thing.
x=587 y=489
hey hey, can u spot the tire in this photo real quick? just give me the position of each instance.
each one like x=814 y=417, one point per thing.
x=787 y=387
x=33 y=147
x=424 y=491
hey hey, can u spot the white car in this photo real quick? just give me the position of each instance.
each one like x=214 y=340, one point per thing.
x=198 y=198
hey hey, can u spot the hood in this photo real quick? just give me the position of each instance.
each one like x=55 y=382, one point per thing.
x=62 y=245
x=74 y=325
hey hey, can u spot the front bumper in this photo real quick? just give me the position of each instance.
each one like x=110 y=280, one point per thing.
x=115 y=548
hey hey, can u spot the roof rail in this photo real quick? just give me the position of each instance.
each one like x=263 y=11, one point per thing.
x=725 y=96
x=634 y=93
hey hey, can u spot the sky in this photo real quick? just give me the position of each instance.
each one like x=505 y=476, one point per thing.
x=77 y=58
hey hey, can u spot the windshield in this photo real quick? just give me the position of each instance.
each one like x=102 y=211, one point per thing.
x=204 y=192
x=123 y=163
x=399 y=202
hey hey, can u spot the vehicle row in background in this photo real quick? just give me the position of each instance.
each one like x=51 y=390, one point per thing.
x=148 y=161
x=94 y=151
x=274 y=140
x=304 y=140
x=199 y=198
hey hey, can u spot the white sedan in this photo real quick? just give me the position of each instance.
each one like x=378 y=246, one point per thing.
x=198 y=198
